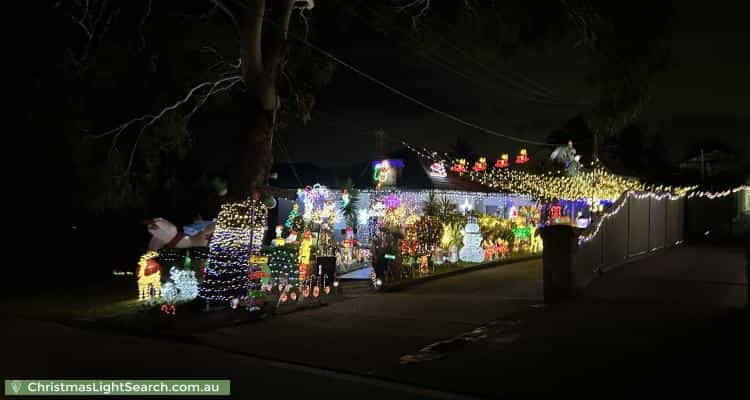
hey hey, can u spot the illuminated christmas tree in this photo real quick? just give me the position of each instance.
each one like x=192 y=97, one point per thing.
x=283 y=263
x=239 y=233
x=292 y=215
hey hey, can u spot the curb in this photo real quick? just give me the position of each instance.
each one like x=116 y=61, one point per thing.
x=418 y=281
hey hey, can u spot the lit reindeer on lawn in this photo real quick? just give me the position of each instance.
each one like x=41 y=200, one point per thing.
x=165 y=233
x=149 y=276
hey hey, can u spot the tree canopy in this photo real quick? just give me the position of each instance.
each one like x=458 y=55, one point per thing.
x=116 y=60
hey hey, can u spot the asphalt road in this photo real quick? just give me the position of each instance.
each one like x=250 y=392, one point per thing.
x=670 y=321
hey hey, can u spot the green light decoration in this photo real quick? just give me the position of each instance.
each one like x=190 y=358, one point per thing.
x=292 y=215
x=188 y=261
x=390 y=257
x=283 y=264
x=266 y=276
x=522 y=233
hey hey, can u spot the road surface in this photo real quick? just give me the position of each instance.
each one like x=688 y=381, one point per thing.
x=667 y=321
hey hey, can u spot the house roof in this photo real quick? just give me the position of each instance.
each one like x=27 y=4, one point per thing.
x=415 y=175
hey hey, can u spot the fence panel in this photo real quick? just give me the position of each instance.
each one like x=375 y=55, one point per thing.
x=675 y=210
x=615 y=237
x=657 y=220
x=641 y=225
x=590 y=256
x=638 y=227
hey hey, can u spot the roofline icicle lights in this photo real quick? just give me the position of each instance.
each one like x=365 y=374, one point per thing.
x=595 y=184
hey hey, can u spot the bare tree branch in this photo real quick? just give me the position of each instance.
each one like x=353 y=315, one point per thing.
x=425 y=4
x=234 y=80
x=220 y=5
x=215 y=87
x=143 y=23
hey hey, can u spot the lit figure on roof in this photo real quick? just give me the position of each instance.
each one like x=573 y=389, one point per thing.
x=382 y=173
x=566 y=155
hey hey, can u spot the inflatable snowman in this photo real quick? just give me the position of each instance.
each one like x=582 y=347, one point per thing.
x=472 y=250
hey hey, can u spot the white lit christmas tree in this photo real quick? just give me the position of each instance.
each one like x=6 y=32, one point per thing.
x=239 y=230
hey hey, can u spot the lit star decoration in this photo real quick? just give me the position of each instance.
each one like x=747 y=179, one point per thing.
x=239 y=231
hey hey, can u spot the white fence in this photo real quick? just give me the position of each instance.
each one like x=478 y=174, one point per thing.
x=639 y=224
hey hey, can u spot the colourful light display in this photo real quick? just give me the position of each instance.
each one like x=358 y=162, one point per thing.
x=239 y=233
x=385 y=172
x=472 y=243
x=522 y=157
x=305 y=248
x=480 y=165
x=459 y=166
x=437 y=169
x=502 y=162
x=149 y=276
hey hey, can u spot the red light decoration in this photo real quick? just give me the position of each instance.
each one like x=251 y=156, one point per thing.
x=502 y=162
x=556 y=217
x=480 y=165
x=168 y=310
x=522 y=157
x=257 y=275
x=555 y=211
x=459 y=166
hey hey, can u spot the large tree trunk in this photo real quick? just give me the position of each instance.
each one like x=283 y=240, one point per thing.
x=261 y=67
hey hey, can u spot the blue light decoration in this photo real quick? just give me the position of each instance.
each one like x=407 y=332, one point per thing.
x=239 y=232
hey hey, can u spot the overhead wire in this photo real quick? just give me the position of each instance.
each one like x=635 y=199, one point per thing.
x=412 y=98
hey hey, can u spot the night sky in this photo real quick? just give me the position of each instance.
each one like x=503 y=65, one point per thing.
x=702 y=93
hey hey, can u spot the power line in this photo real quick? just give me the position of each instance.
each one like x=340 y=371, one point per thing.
x=531 y=88
x=476 y=80
x=411 y=98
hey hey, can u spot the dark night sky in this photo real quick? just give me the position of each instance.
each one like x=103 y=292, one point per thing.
x=702 y=94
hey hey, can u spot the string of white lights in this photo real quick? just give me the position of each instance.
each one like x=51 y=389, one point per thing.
x=656 y=196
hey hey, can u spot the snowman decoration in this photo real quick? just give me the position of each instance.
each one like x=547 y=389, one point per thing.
x=472 y=250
